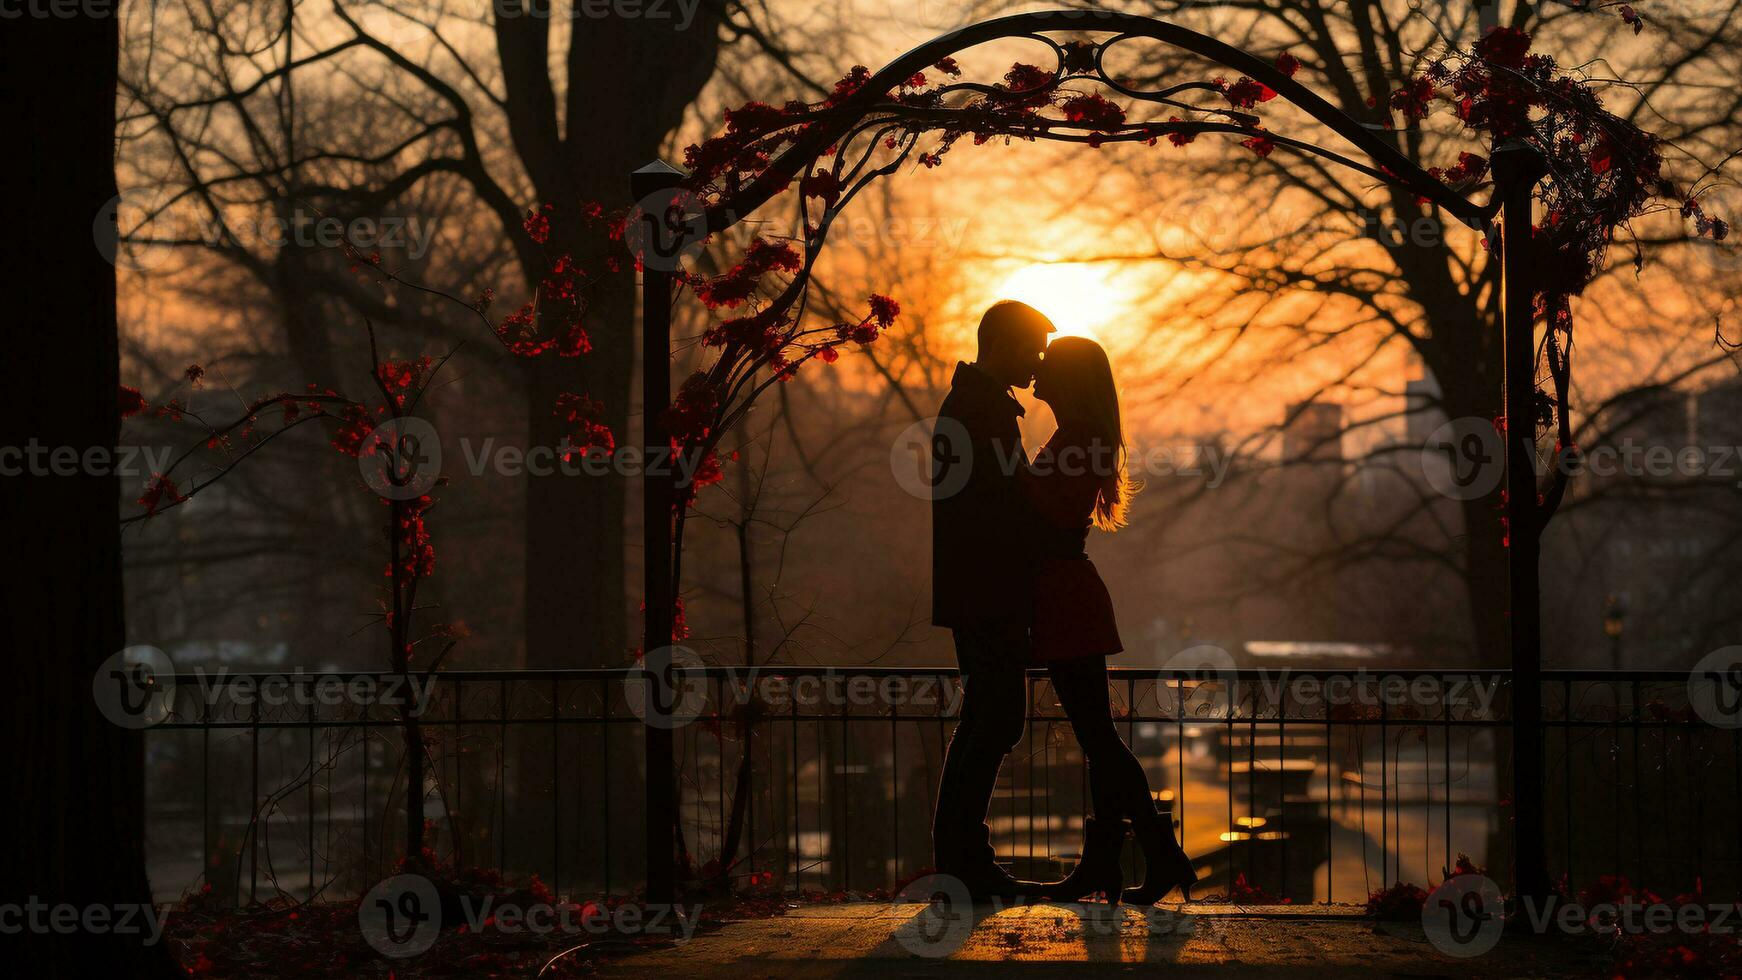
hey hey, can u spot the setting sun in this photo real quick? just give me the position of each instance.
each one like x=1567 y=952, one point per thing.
x=1080 y=298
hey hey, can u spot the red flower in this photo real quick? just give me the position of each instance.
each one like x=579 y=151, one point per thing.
x=355 y=425
x=1093 y=111
x=1399 y=903
x=417 y=552
x=884 y=310
x=1414 y=97
x=132 y=402
x=1023 y=78
x=1470 y=166
x=1504 y=46
x=586 y=432
x=754 y=117
x=160 y=492
x=1631 y=16
x=537 y=224
x=849 y=84
x=740 y=282
x=764 y=255
x=949 y=67
x=761 y=333
x=1246 y=93
x=1261 y=145
x=403 y=379
x=691 y=416
x=1287 y=63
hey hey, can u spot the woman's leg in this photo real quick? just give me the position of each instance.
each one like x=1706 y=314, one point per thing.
x=1118 y=787
x=1117 y=781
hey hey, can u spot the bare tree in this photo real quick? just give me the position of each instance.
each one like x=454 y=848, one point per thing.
x=532 y=104
x=1331 y=289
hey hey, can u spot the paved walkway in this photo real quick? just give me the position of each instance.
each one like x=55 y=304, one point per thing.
x=911 y=940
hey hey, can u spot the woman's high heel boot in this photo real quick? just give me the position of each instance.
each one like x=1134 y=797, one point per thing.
x=1098 y=870
x=1165 y=864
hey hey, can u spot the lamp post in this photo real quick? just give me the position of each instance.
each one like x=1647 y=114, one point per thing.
x=1614 y=624
x=653 y=182
x=1517 y=168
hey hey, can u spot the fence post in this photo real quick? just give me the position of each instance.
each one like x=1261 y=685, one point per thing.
x=658 y=492
x=1517 y=168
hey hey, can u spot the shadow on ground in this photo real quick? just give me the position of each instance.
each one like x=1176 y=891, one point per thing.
x=1073 y=940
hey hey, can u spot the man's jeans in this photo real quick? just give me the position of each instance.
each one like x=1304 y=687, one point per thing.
x=992 y=657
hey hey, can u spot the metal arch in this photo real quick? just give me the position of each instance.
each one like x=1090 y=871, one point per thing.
x=1389 y=164
x=1516 y=173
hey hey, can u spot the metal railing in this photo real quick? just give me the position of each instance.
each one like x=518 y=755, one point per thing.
x=298 y=788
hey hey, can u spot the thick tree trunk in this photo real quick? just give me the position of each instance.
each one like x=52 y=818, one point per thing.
x=75 y=832
x=1485 y=579
x=577 y=607
x=1464 y=355
x=630 y=81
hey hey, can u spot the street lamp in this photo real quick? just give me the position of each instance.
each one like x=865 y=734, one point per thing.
x=1614 y=624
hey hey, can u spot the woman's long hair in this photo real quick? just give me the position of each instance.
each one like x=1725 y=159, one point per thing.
x=1083 y=394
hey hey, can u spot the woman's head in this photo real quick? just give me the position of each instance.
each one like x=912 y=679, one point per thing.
x=1076 y=379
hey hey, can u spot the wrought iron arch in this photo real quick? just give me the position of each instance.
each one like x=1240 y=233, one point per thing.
x=1517 y=168
x=1388 y=165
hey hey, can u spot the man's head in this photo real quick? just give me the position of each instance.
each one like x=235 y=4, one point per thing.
x=1012 y=337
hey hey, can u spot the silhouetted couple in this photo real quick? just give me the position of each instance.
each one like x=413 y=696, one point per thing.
x=1013 y=583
